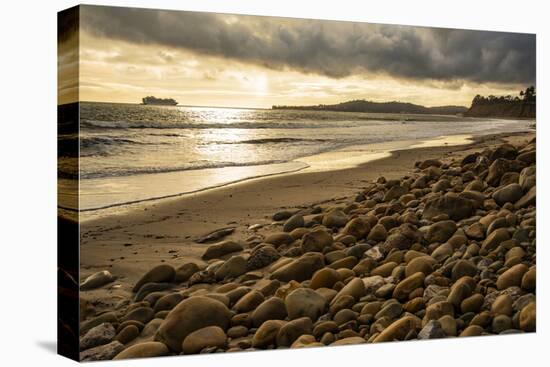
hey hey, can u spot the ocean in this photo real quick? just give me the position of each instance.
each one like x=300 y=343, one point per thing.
x=131 y=153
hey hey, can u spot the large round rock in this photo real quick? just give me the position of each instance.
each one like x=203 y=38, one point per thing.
x=143 y=350
x=210 y=336
x=189 y=315
x=305 y=302
x=300 y=269
x=159 y=274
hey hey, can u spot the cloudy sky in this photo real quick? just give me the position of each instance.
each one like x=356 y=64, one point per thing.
x=233 y=60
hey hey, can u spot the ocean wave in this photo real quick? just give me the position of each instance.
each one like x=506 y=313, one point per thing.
x=272 y=141
x=191 y=166
x=98 y=124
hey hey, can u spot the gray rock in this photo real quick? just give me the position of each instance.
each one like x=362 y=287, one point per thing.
x=432 y=330
x=102 y=352
x=99 y=335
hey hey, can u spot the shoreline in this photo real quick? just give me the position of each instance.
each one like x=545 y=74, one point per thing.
x=385 y=243
x=131 y=242
x=347 y=157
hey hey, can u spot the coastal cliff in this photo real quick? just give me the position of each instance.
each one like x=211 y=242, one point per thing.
x=522 y=106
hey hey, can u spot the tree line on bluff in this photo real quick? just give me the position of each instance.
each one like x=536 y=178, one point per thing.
x=523 y=105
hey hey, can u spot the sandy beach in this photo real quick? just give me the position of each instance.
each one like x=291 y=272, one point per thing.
x=130 y=241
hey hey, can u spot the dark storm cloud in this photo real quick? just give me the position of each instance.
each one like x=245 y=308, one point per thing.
x=334 y=49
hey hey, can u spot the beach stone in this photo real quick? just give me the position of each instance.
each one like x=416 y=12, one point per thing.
x=341 y=303
x=508 y=194
x=528 y=157
x=352 y=340
x=530 y=198
x=496 y=170
x=232 y=268
x=98 y=335
x=429 y=163
x=141 y=314
x=501 y=323
x=397 y=240
x=262 y=256
x=506 y=151
x=249 y=301
x=509 y=178
x=143 y=350
x=424 y=264
x=378 y=233
x=167 y=302
x=102 y=352
x=210 y=336
x=385 y=269
x=441 y=231
x=271 y=309
x=189 y=315
x=432 y=330
x=502 y=305
x=391 y=311
x=357 y=227
x=305 y=302
x=292 y=330
x=472 y=330
x=394 y=192
x=476 y=231
x=184 y=272
x=220 y=249
x=439 y=309
x=306 y=341
x=472 y=303
x=97 y=280
x=300 y=269
x=397 y=330
x=109 y=317
x=529 y=280
x=335 y=219
x=495 y=239
x=407 y=285
x=295 y=221
x=237 y=332
x=475 y=196
x=463 y=268
x=449 y=325
x=441 y=185
x=126 y=335
x=267 y=333
x=455 y=207
x=461 y=290
x=324 y=278
x=163 y=273
x=151 y=328
x=512 y=277
x=279 y=239
x=316 y=241
x=354 y=288
x=528 y=317
x=282 y=215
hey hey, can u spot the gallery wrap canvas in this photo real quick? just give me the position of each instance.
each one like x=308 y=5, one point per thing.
x=235 y=183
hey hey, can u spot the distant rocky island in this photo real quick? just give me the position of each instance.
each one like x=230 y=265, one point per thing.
x=379 y=107
x=151 y=100
x=522 y=106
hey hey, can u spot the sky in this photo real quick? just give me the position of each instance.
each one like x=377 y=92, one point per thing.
x=208 y=59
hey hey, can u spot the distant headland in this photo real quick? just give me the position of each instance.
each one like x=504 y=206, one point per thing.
x=361 y=105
